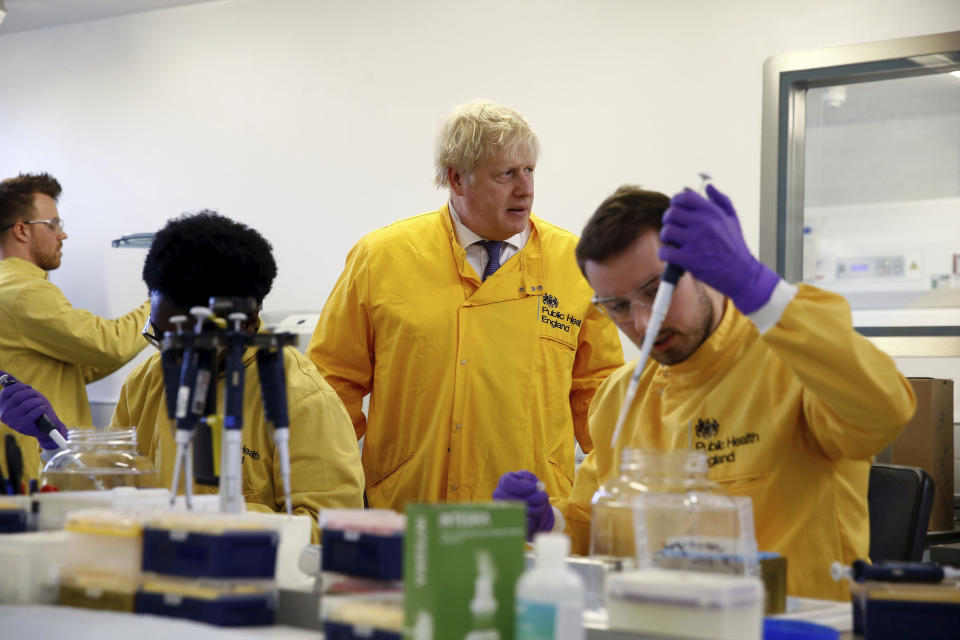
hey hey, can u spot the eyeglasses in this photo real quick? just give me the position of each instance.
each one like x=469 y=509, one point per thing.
x=56 y=224
x=621 y=309
x=149 y=332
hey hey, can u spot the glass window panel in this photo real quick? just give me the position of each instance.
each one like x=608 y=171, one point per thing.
x=881 y=201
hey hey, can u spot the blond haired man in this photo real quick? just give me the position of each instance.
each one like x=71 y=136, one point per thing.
x=470 y=327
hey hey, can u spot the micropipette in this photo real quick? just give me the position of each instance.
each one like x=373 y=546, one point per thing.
x=861 y=571
x=661 y=304
x=43 y=422
x=273 y=388
x=195 y=375
x=231 y=494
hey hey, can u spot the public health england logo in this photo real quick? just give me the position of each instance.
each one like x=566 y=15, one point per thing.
x=550 y=301
x=707 y=428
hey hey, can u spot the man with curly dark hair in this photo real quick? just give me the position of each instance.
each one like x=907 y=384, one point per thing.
x=193 y=258
x=45 y=341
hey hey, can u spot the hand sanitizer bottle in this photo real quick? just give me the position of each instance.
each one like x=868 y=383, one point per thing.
x=550 y=595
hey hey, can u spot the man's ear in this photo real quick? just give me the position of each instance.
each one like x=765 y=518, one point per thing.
x=456 y=180
x=19 y=231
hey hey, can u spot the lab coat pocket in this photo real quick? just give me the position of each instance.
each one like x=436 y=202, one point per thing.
x=562 y=478
x=740 y=484
x=557 y=354
x=383 y=477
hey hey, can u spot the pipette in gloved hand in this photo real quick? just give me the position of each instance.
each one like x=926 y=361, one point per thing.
x=861 y=571
x=661 y=304
x=43 y=423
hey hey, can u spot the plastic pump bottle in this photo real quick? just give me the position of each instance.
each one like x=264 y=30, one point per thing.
x=550 y=595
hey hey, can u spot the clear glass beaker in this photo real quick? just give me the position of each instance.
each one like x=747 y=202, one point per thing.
x=694 y=524
x=641 y=472
x=100 y=459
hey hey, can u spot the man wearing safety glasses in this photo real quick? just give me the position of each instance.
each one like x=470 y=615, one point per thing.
x=44 y=340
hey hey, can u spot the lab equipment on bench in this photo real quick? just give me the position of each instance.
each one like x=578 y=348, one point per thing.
x=551 y=596
x=190 y=371
x=902 y=599
x=919 y=572
x=661 y=304
x=99 y=460
x=687 y=604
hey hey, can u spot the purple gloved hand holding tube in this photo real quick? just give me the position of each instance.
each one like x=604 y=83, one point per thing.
x=523 y=486
x=27 y=411
x=703 y=236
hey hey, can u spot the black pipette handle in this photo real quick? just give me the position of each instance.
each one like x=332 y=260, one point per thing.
x=273 y=385
x=14 y=461
x=236 y=374
x=672 y=273
x=170 y=363
x=897 y=572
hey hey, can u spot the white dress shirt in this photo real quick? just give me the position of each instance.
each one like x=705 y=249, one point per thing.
x=476 y=253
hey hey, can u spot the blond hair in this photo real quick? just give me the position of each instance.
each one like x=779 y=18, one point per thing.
x=473 y=131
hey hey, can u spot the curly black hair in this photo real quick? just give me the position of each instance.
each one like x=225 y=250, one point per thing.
x=199 y=255
x=16 y=195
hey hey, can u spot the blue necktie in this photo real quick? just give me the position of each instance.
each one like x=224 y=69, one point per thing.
x=493 y=256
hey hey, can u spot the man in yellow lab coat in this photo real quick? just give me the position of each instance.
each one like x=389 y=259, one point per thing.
x=45 y=341
x=470 y=327
x=192 y=259
x=768 y=379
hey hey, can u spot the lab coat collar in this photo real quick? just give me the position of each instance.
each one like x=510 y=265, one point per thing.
x=723 y=344
x=520 y=276
x=27 y=267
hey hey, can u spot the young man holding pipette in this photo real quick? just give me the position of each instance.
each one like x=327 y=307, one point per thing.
x=769 y=379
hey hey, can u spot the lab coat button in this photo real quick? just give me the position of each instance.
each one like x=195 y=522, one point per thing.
x=459 y=427
x=454 y=487
x=463 y=362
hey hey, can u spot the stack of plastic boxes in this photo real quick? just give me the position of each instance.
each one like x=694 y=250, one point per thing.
x=14 y=512
x=362 y=574
x=210 y=568
x=102 y=568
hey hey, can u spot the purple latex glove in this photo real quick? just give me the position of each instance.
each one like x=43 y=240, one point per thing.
x=704 y=237
x=20 y=407
x=522 y=487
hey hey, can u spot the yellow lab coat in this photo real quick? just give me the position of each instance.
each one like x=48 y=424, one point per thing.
x=467 y=379
x=56 y=348
x=790 y=418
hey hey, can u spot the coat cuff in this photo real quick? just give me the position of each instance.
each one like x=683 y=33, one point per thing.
x=559 y=524
x=767 y=316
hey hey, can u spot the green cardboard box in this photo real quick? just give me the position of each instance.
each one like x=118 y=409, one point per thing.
x=461 y=563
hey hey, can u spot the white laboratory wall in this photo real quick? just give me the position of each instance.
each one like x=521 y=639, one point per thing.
x=313 y=121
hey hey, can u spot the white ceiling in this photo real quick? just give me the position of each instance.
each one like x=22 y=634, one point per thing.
x=24 y=15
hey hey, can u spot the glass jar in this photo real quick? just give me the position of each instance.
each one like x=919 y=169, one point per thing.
x=690 y=522
x=100 y=459
x=641 y=472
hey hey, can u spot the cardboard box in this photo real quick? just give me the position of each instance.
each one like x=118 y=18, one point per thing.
x=927 y=442
x=461 y=565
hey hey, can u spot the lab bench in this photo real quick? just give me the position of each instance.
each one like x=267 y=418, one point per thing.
x=49 y=621
x=296 y=609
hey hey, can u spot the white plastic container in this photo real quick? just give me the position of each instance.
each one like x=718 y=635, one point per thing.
x=550 y=595
x=687 y=604
x=30 y=566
